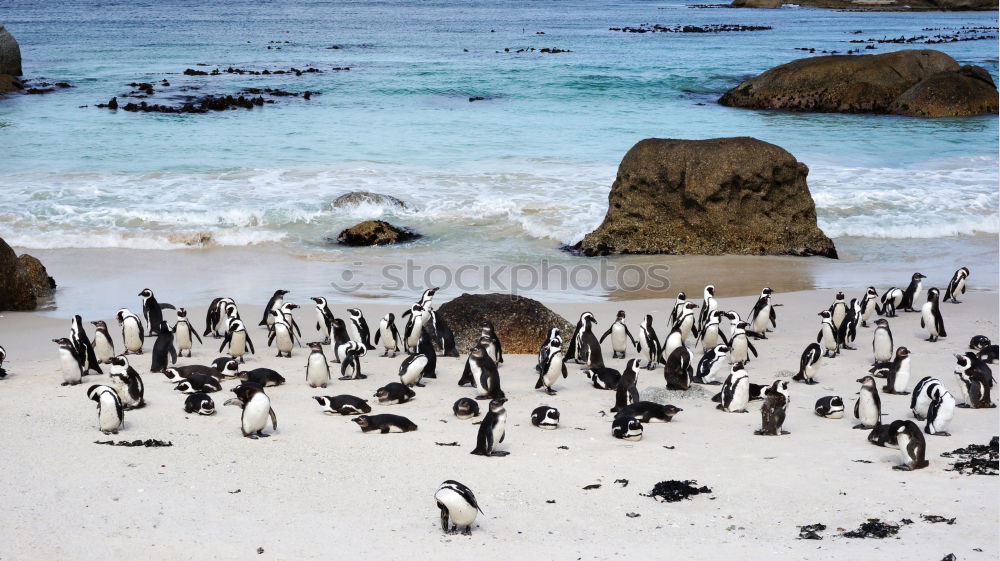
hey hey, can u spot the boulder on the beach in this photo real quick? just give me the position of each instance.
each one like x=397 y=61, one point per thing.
x=859 y=84
x=521 y=323
x=355 y=198
x=970 y=91
x=10 y=53
x=22 y=280
x=375 y=232
x=709 y=197
x=756 y=4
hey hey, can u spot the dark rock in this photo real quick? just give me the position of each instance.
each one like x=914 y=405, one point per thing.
x=10 y=54
x=711 y=28
x=375 y=232
x=10 y=83
x=709 y=197
x=22 y=280
x=41 y=283
x=970 y=91
x=874 y=528
x=355 y=198
x=672 y=491
x=756 y=4
x=521 y=323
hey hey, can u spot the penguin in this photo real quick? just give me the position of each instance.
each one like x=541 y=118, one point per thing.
x=69 y=362
x=604 y=378
x=411 y=371
x=133 y=332
x=256 y=410
x=343 y=404
x=626 y=428
x=263 y=377
x=912 y=293
x=885 y=435
x=809 y=364
x=891 y=299
x=618 y=331
x=555 y=334
x=389 y=335
x=286 y=312
x=740 y=346
x=675 y=312
x=282 y=334
x=492 y=430
x=427 y=297
x=553 y=367
x=545 y=417
x=3 y=355
x=930 y=316
x=711 y=334
x=973 y=383
x=626 y=392
x=199 y=403
x=465 y=408
x=153 y=311
x=324 y=318
x=912 y=447
x=686 y=322
x=868 y=407
x=940 y=412
x=274 y=304
x=677 y=372
x=830 y=407
x=772 y=413
x=482 y=366
x=649 y=341
x=458 y=507
x=882 y=345
x=986 y=351
x=869 y=305
x=576 y=350
x=103 y=347
x=127 y=383
x=920 y=400
x=238 y=340
x=215 y=317
x=183 y=332
x=444 y=337
x=110 y=413
x=492 y=344
x=709 y=365
x=980 y=369
x=163 y=347
x=709 y=305
x=898 y=374
x=828 y=335
x=84 y=349
x=956 y=285
x=838 y=311
x=384 y=423
x=198 y=383
x=317 y=368
x=340 y=339
x=350 y=363
x=226 y=366
x=357 y=328
x=646 y=411
x=178 y=373
x=733 y=319
x=414 y=328
x=735 y=390
x=762 y=314
x=848 y=329
x=394 y=393
x=673 y=341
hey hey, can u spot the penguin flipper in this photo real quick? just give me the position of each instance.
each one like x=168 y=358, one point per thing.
x=250 y=344
x=939 y=324
x=857 y=409
x=752 y=348
x=225 y=341
x=606 y=333
x=295 y=326
x=164 y=306
x=173 y=354
x=274 y=419
x=922 y=321
x=270 y=337
x=564 y=373
x=378 y=333
x=774 y=317
x=540 y=381
x=195 y=333
x=627 y=333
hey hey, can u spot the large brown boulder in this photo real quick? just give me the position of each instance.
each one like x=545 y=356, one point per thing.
x=10 y=53
x=9 y=83
x=839 y=83
x=22 y=280
x=375 y=232
x=709 y=197
x=970 y=91
x=521 y=323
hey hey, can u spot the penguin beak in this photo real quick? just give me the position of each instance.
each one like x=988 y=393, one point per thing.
x=860 y=380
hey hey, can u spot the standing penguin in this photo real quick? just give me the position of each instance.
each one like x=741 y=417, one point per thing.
x=940 y=411
x=104 y=347
x=675 y=312
x=3 y=355
x=848 y=329
x=869 y=305
x=340 y=338
x=762 y=314
x=324 y=318
x=286 y=313
x=626 y=392
x=710 y=364
x=152 y=311
x=215 y=317
x=956 y=285
x=492 y=430
x=686 y=322
x=84 y=350
x=128 y=383
x=458 y=507
x=735 y=390
x=772 y=413
x=678 y=371
x=590 y=345
x=930 y=316
x=274 y=304
x=809 y=364
x=740 y=346
x=417 y=366
x=317 y=368
x=357 y=328
x=618 y=331
x=414 y=328
x=897 y=373
x=576 y=349
x=555 y=334
x=649 y=341
x=828 y=335
x=390 y=336
x=443 y=335
x=708 y=307
x=183 y=333
x=132 y=331
x=868 y=407
x=553 y=367
x=912 y=293
x=711 y=335
x=489 y=376
x=163 y=346
x=110 y=414
x=838 y=310
x=69 y=362
x=282 y=334
x=912 y=447
x=350 y=362
x=238 y=340
x=256 y=409
x=974 y=383
x=882 y=345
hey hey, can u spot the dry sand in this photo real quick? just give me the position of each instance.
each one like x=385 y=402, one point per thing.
x=319 y=488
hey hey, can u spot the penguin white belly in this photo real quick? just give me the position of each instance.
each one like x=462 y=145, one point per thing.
x=130 y=332
x=741 y=395
x=283 y=338
x=902 y=377
x=868 y=412
x=738 y=352
x=341 y=351
x=686 y=324
x=945 y=412
x=415 y=371
x=927 y=315
x=460 y=512
x=922 y=404
x=866 y=310
x=70 y=367
x=321 y=322
x=673 y=341
x=829 y=339
x=555 y=369
x=255 y=413
x=760 y=320
x=317 y=370
x=353 y=333
x=388 y=341
x=711 y=337
x=238 y=344
x=477 y=373
x=916 y=293
x=499 y=428
x=964 y=388
x=103 y=349
x=491 y=350
x=903 y=441
x=882 y=346
x=959 y=287
x=714 y=371
x=183 y=337
x=108 y=413
x=839 y=312
x=618 y=338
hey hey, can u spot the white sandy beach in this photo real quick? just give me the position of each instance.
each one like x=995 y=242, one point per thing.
x=319 y=488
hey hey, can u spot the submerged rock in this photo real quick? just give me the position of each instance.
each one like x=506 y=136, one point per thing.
x=521 y=323
x=375 y=232
x=22 y=280
x=709 y=197
x=756 y=4
x=355 y=198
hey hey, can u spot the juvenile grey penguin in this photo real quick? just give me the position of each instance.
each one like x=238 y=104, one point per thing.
x=492 y=430
x=678 y=370
x=772 y=413
x=458 y=507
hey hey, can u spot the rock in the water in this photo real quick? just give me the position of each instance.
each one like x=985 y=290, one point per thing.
x=22 y=280
x=924 y=83
x=521 y=323
x=709 y=197
x=10 y=53
x=756 y=4
x=355 y=198
x=375 y=232
x=9 y=83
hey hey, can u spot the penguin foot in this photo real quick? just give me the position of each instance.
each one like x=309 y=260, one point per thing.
x=262 y=435
x=931 y=340
x=499 y=454
x=902 y=468
x=811 y=382
x=67 y=383
x=962 y=405
x=419 y=385
x=785 y=432
x=467 y=531
x=861 y=426
x=252 y=436
x=482 y=397
x=550 y=391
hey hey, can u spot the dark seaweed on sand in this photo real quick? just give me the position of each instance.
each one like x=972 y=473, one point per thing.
x=673 y=490
x=811 y=531
x=976 y=459
x=935 y=518
x=874 y=528
x=148 y=443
